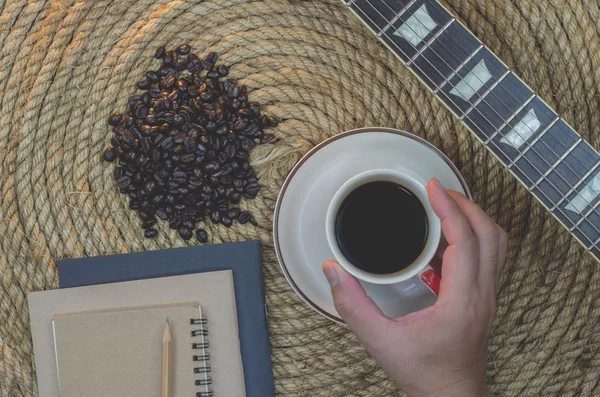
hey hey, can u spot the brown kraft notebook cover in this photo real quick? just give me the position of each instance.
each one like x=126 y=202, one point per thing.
x=118 y=353
x=214 y=291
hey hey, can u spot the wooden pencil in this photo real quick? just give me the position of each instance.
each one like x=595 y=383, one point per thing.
x=166 y=378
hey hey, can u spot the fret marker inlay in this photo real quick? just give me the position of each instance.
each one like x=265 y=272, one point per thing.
x=587 y=195
x=417 y=27
x=524 y=130
x=472 y=82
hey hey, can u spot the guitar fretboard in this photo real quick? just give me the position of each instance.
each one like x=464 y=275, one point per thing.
x=537 y=145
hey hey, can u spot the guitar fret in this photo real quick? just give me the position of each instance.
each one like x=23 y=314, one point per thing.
x=595 y=245
x=579 y=183
x=537 y=138
x=482 y=97
x=553 y=166
x=428 y=43
x=457 y=70
x=510 y=118
x=396 y=17
x=386 y=27
x=584 y=217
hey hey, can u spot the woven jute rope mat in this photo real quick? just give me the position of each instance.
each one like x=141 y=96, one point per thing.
x=66 y=65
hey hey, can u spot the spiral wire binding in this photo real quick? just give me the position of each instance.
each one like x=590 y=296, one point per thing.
x=203 y=356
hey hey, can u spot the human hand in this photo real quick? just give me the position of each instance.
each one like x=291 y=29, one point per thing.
x=440 y=350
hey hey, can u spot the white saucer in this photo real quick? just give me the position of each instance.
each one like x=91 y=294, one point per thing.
x=299 y=221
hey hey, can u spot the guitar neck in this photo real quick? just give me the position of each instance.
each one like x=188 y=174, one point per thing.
x=550 y=159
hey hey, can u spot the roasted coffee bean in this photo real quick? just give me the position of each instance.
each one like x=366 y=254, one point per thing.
x=174 y=223
x=223 y=70
x=179 y=137
x=168 y=82
x=143 y=84
x=119 y=172
x=244 y=217
x=211 y=167
x=141 y=110
x=153 y=77
x=150 y=233
x=150 y=186
x=162 y=214
x=233 y=213
x=198 y=173
x=208 y=96
x=235 y=198
x=222 y=158
x=190 y=145
x=144 y=216
x=115 y=119
x=158 y=199
x=239 y=183
x=182 y=85
x=128 y=136
x=134 y=205
x=178 y=119
x=169 y=58
x=180 y=177
x=267 y=138
x=135 y=144
x=146 y=144
x=167 y=143
x=183 y=49
x=202 y=236
x=226 y=221
x=215 y=217
x=188 y=158
x=222 y=130
x=160 y=52
x=136 y=179
x=130 y=156
x=109 y=155
x=185 y=232
x=193 y=90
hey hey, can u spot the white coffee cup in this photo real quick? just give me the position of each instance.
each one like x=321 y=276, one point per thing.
x=420 y=266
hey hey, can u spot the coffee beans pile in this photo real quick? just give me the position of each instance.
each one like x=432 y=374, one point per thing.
x=183 y=145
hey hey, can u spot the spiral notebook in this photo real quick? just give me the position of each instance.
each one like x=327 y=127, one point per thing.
x=118 y=352
x=55 y=359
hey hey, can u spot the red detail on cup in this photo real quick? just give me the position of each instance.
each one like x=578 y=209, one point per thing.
x=432 y=280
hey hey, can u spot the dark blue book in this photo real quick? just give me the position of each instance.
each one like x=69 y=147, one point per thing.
x=244 y=259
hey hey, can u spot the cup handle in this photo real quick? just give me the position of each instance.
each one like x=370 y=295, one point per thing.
x=431 y=279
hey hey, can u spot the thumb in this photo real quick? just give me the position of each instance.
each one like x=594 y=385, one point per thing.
x=351 y=301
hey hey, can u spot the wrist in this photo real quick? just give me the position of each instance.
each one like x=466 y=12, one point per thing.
x=461 y=389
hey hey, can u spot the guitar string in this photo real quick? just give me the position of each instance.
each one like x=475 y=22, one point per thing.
x=483 y=100
x=543 y=175
x=560 y=158
x=576 y=227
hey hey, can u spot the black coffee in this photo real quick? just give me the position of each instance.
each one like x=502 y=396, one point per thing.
x=381 y=227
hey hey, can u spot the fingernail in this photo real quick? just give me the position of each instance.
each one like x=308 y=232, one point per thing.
x=438 y=184
x=331 y=275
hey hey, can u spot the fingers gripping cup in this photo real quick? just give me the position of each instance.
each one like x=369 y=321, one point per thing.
x=381 y=228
